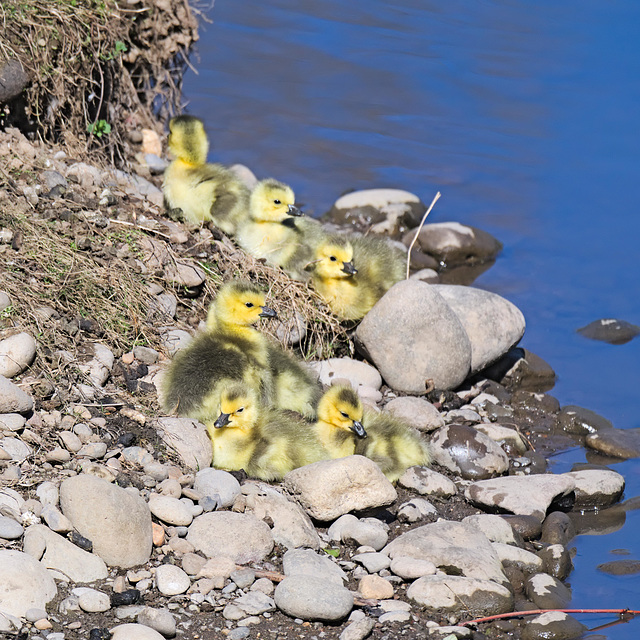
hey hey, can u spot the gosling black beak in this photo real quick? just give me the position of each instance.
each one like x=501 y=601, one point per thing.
x=294 y=211
x=222 y=421
x=268 y=312
x=348 y=268
x=359 y=429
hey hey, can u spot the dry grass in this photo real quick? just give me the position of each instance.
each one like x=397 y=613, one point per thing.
x=97 y=65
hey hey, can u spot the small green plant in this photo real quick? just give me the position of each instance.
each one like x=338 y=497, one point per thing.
x=99 y=128
x=332 y=552
x=119 y=48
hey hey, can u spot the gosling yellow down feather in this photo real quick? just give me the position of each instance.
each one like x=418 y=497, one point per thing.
x=230 y=349
x=277 y=230
x=202 y=191
x=265 y=442
x=345 y=428
x=352 y=273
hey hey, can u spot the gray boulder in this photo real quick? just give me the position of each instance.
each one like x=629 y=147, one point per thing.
x=414 y=338
x=312 y=598
x=494 y=325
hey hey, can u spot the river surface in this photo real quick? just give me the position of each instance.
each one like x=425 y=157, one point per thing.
x=525 y=115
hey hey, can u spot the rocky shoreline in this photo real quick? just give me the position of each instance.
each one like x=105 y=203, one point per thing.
x=113 y=519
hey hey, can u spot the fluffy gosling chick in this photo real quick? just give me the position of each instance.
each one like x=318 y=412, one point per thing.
x=203 y=191
x=276 y=231
x=339 y=423
x=392 y=444
x=352 y=273
x=230 y=349
x=294 y=387
x=265 y=442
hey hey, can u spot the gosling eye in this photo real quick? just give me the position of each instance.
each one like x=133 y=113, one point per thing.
x=276 y=201
x=333 y=259
x=344 y=415
x=240 y=410
x=249 y=305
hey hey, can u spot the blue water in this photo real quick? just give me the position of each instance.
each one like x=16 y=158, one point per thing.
x=525 y=115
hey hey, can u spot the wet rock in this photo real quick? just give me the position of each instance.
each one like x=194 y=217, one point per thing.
x=414 y=337
x=311 y=598
x=171 y=580
x=467 y=452
x=456 y=546
x=131 y=631
x=188 y=438
x=496 y=529
x=597 y=488
x=292 y=527
x=372 y=562
x=618 y=443
x=546 y=592
x=409 y=568
x=557 y=528
x=521 y=369
x=358 y=630
x=556 y=561
x=16 y=354
x=359 y=374
x=24 y=583
x=581 y=421
x=620 y=567
x=416 y=411
x=610 y=330
x=305 y=562
x=494 y=325
x=241 y=537
x=453 y=243
x=427 y=482
x=159 y=619
x=170 y=510
x=455 y=594
x=506 y=436
x=553 y=625
x=64 y=559
x=331 y=488
x=521 y=495
x=511 y=556
x=416 y=509
x=361 y=208
x=12 y=398
x=117 y=521
x=217 y=483
x=529 y=527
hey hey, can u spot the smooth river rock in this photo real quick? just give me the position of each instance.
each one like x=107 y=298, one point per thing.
x=215 y=482
x=415 y=339
x=12 y=398
x=188 y=438
x=331 y=488
x=494 y=325
x=311 y=598
x=239 y=536
x=117 y=521
x=416 y=411
x=25 y=583
x=16 y=354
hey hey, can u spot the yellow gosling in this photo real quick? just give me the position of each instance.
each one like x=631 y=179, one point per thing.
x=230 y=349
x=204 y=192
x=276 y=231
x=352 y=273
x=265 y=442
x=339 y=425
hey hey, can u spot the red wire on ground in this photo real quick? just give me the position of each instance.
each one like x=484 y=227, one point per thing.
x=516 y=614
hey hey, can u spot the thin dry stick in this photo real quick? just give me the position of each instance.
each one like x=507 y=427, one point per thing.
x=424 y=217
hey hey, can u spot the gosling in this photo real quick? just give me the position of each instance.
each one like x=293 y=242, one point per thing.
x=276 y=230
x=204 y=192
x=230 y=349
x=352 y=273
x=265 y=442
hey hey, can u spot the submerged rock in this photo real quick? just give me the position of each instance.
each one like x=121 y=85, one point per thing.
x=619 y=443
x=610 y=330
x=553 y=625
